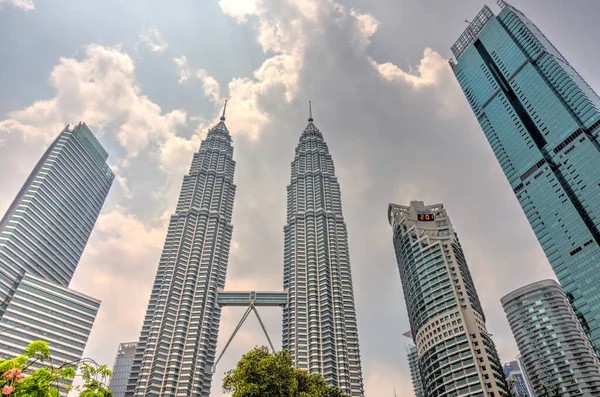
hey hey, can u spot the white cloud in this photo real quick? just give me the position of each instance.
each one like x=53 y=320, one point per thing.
x=26 y=5
x=429 y=71
x=240 y=9
x=153 y=39
x=210 y=86
x=99 y=89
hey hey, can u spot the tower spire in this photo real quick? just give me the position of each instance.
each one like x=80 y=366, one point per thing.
x=224 y=108
x=310 y=117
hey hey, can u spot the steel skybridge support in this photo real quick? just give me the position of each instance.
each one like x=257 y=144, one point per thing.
x=251 y=300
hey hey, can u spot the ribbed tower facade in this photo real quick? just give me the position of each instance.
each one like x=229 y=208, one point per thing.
x=456 y=355
x=179 y=336
x=319 y=323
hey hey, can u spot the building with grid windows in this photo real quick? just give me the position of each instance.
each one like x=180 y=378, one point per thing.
x=122 y=368
x=42 y=237
x=553 y=345
x=542 y=121
x=43 y=310
x=319 y=322
x=48 y=224
x=177 y=344
x=455 y=352
x=412 y=354
x=517 y=380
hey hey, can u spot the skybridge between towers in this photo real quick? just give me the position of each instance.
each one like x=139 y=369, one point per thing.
x=251 y=300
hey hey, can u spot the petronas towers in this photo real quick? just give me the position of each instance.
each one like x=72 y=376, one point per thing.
x=179 y=335
x=176 y=350
x=319 y=322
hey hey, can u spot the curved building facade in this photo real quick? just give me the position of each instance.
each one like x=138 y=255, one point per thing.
x=319 y=322
x=553 y=345
x=456 y=354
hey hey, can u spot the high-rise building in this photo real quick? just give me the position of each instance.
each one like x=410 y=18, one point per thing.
x=516 y=380
x=122 y=368
x=42 y=237
x=177 y=344
x=412 y=354
x=553 y=345
x=415 y=371
x=319 y=322
x=530 y=388
x=43 y=310
x=542 y=121
x=48 y=224
x=457 y=357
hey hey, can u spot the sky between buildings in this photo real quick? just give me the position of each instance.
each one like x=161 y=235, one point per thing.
x=149 y=78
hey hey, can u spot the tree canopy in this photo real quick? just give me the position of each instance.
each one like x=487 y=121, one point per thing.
x=262 y=374
x=18 y=378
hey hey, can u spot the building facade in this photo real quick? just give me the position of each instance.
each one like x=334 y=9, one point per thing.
x=415 y=372
x=177 y=344
x=42 y=237
x=319 y=322
x=542 y=121
x=43 y=310
x=516 y=380
x=48 y=224
x=122 y=368
x=456 y=354
x=523 y=370
x=553 y=345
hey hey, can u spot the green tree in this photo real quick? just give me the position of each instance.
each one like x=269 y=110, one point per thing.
x=262 y=374
x=19 y=379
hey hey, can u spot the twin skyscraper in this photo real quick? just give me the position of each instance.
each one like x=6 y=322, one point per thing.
x=178 y=342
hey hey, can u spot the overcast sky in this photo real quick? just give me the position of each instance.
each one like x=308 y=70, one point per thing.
x=149 y=77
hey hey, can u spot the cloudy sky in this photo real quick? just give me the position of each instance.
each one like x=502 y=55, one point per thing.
x=149 y=77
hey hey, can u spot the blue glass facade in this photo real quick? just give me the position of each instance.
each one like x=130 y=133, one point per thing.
x=542 y=121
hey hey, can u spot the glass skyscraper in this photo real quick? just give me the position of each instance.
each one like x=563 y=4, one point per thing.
x=542 y=121
x=122 y=368
x=177 y=344
x=553 y=346
x=42 y=310
x=412 y=354
x=456 y=355
x=516 y=380
x=319 y=322
x=42 y=237
x=48 y=224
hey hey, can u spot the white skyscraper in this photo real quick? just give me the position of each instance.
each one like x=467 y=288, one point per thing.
x=179 y=336
x=319 y=322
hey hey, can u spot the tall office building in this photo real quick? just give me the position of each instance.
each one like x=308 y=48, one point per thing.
x=412 y=354
x=179 y=336
x=43 y=310
x=517 y=380
x=552 y=343
x=42 y=237
x=122 y=368
x=542 y=121
x=319 y=322
x=415 y=372
x=48 y=224
x=456 y=354
x=530 y=388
